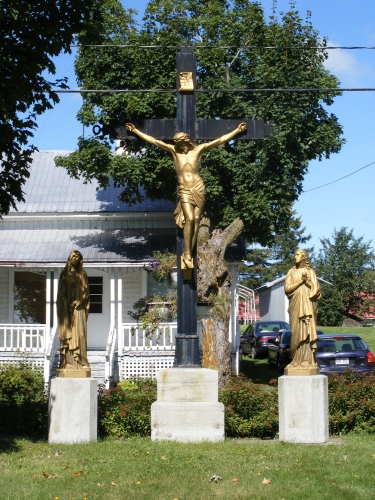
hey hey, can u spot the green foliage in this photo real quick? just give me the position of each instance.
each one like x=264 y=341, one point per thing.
x=347 y=262
x=166 y=263
x=23 y=401
x=31 y=34
x=255 y=180
x=219 y=305
x=125 y=410
x=330 y=310
x=251 y=410
x=150 y=312
x=267 y=264
x=351 y=403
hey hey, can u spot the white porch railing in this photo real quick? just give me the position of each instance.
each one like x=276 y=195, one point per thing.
x=132 y=338
x=110 y=357
x=51 y=350
x=31 y=338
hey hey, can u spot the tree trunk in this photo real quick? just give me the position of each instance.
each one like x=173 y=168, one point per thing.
x=213 y=284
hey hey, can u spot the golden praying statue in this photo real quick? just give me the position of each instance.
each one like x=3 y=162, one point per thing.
x=191 y=190
x=303 y=291
x=73 y=304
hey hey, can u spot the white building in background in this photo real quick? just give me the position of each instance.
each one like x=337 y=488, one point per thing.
x=117 y=241
x=273 y=303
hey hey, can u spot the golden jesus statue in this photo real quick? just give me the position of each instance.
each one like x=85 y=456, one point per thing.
x=191 y=190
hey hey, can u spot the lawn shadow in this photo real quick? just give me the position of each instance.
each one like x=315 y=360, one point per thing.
x=258 y=370
x=8 y=445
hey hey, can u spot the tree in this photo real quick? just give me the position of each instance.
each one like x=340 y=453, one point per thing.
x=31 y=34
x=257 y=181
x=348 y=263
x=330 y=310
x=267 y=264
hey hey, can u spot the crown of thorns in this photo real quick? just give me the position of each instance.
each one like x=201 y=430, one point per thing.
x=181 y=136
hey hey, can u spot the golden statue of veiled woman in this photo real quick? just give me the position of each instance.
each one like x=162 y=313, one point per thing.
x=73 y=304
x=303 y=291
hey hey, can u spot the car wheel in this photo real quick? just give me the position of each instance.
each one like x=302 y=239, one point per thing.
x=253 y=353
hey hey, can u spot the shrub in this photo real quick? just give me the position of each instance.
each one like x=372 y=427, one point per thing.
x=23 y=401
x=351 y=403
x=125 y=410
x=251 y=410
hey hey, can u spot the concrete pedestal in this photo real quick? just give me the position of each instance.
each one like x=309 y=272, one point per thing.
x=187 y=409
x=303 y=409
x=73 y=410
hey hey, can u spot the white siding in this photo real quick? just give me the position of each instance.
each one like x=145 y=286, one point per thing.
x=4 y=295
x=273 y=303
x=131 y=290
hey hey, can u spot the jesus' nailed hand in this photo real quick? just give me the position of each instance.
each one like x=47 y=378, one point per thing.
x=191 y=190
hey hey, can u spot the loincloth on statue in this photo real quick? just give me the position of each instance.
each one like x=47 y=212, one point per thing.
x=195 y=196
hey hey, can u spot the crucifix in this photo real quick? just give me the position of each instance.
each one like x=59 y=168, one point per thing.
x=186 y=156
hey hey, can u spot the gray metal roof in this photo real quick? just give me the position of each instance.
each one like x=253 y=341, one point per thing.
x=49 y=189
x=40 y=239
x=51 y=239
x=96 y=245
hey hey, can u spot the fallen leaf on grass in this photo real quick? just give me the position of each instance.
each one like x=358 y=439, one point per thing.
x=163 y=458
x=373 y=455
x=65 y=467
x=266 y=481
x=263 y=456
x=35 y=476
x=345 y=457
x=83 y=463
x=113 y=483
x=48 y=476
x=79 y=473
x=235 y=480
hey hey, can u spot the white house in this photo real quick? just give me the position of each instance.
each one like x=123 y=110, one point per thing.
x=61 y=214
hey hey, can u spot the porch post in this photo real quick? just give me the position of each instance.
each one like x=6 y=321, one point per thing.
x=119 y=310
x=56 y=275
x=112 y=300
x=48 y=308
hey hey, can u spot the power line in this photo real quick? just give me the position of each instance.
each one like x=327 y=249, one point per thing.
x=244 y=47
x=173 y=91
x=345 y=176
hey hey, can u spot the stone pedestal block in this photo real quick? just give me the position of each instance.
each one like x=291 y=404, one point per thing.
x=187 y=409
x=303 y=409
x=73 y=410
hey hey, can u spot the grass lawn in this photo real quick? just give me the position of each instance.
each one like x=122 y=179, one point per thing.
x=139 y=468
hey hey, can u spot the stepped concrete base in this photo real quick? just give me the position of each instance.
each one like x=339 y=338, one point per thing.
x=73 y=410
x=187 y=409
x=303 y=409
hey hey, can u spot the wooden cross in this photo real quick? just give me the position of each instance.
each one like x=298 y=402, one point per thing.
x=187 y=341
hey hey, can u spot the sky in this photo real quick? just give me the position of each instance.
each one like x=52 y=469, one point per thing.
x=347 y=203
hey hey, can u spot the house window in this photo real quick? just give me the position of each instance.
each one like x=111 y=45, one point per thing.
x=29 y=297
x=96 y=294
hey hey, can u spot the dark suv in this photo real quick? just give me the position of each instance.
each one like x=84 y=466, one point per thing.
x=256 y=337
